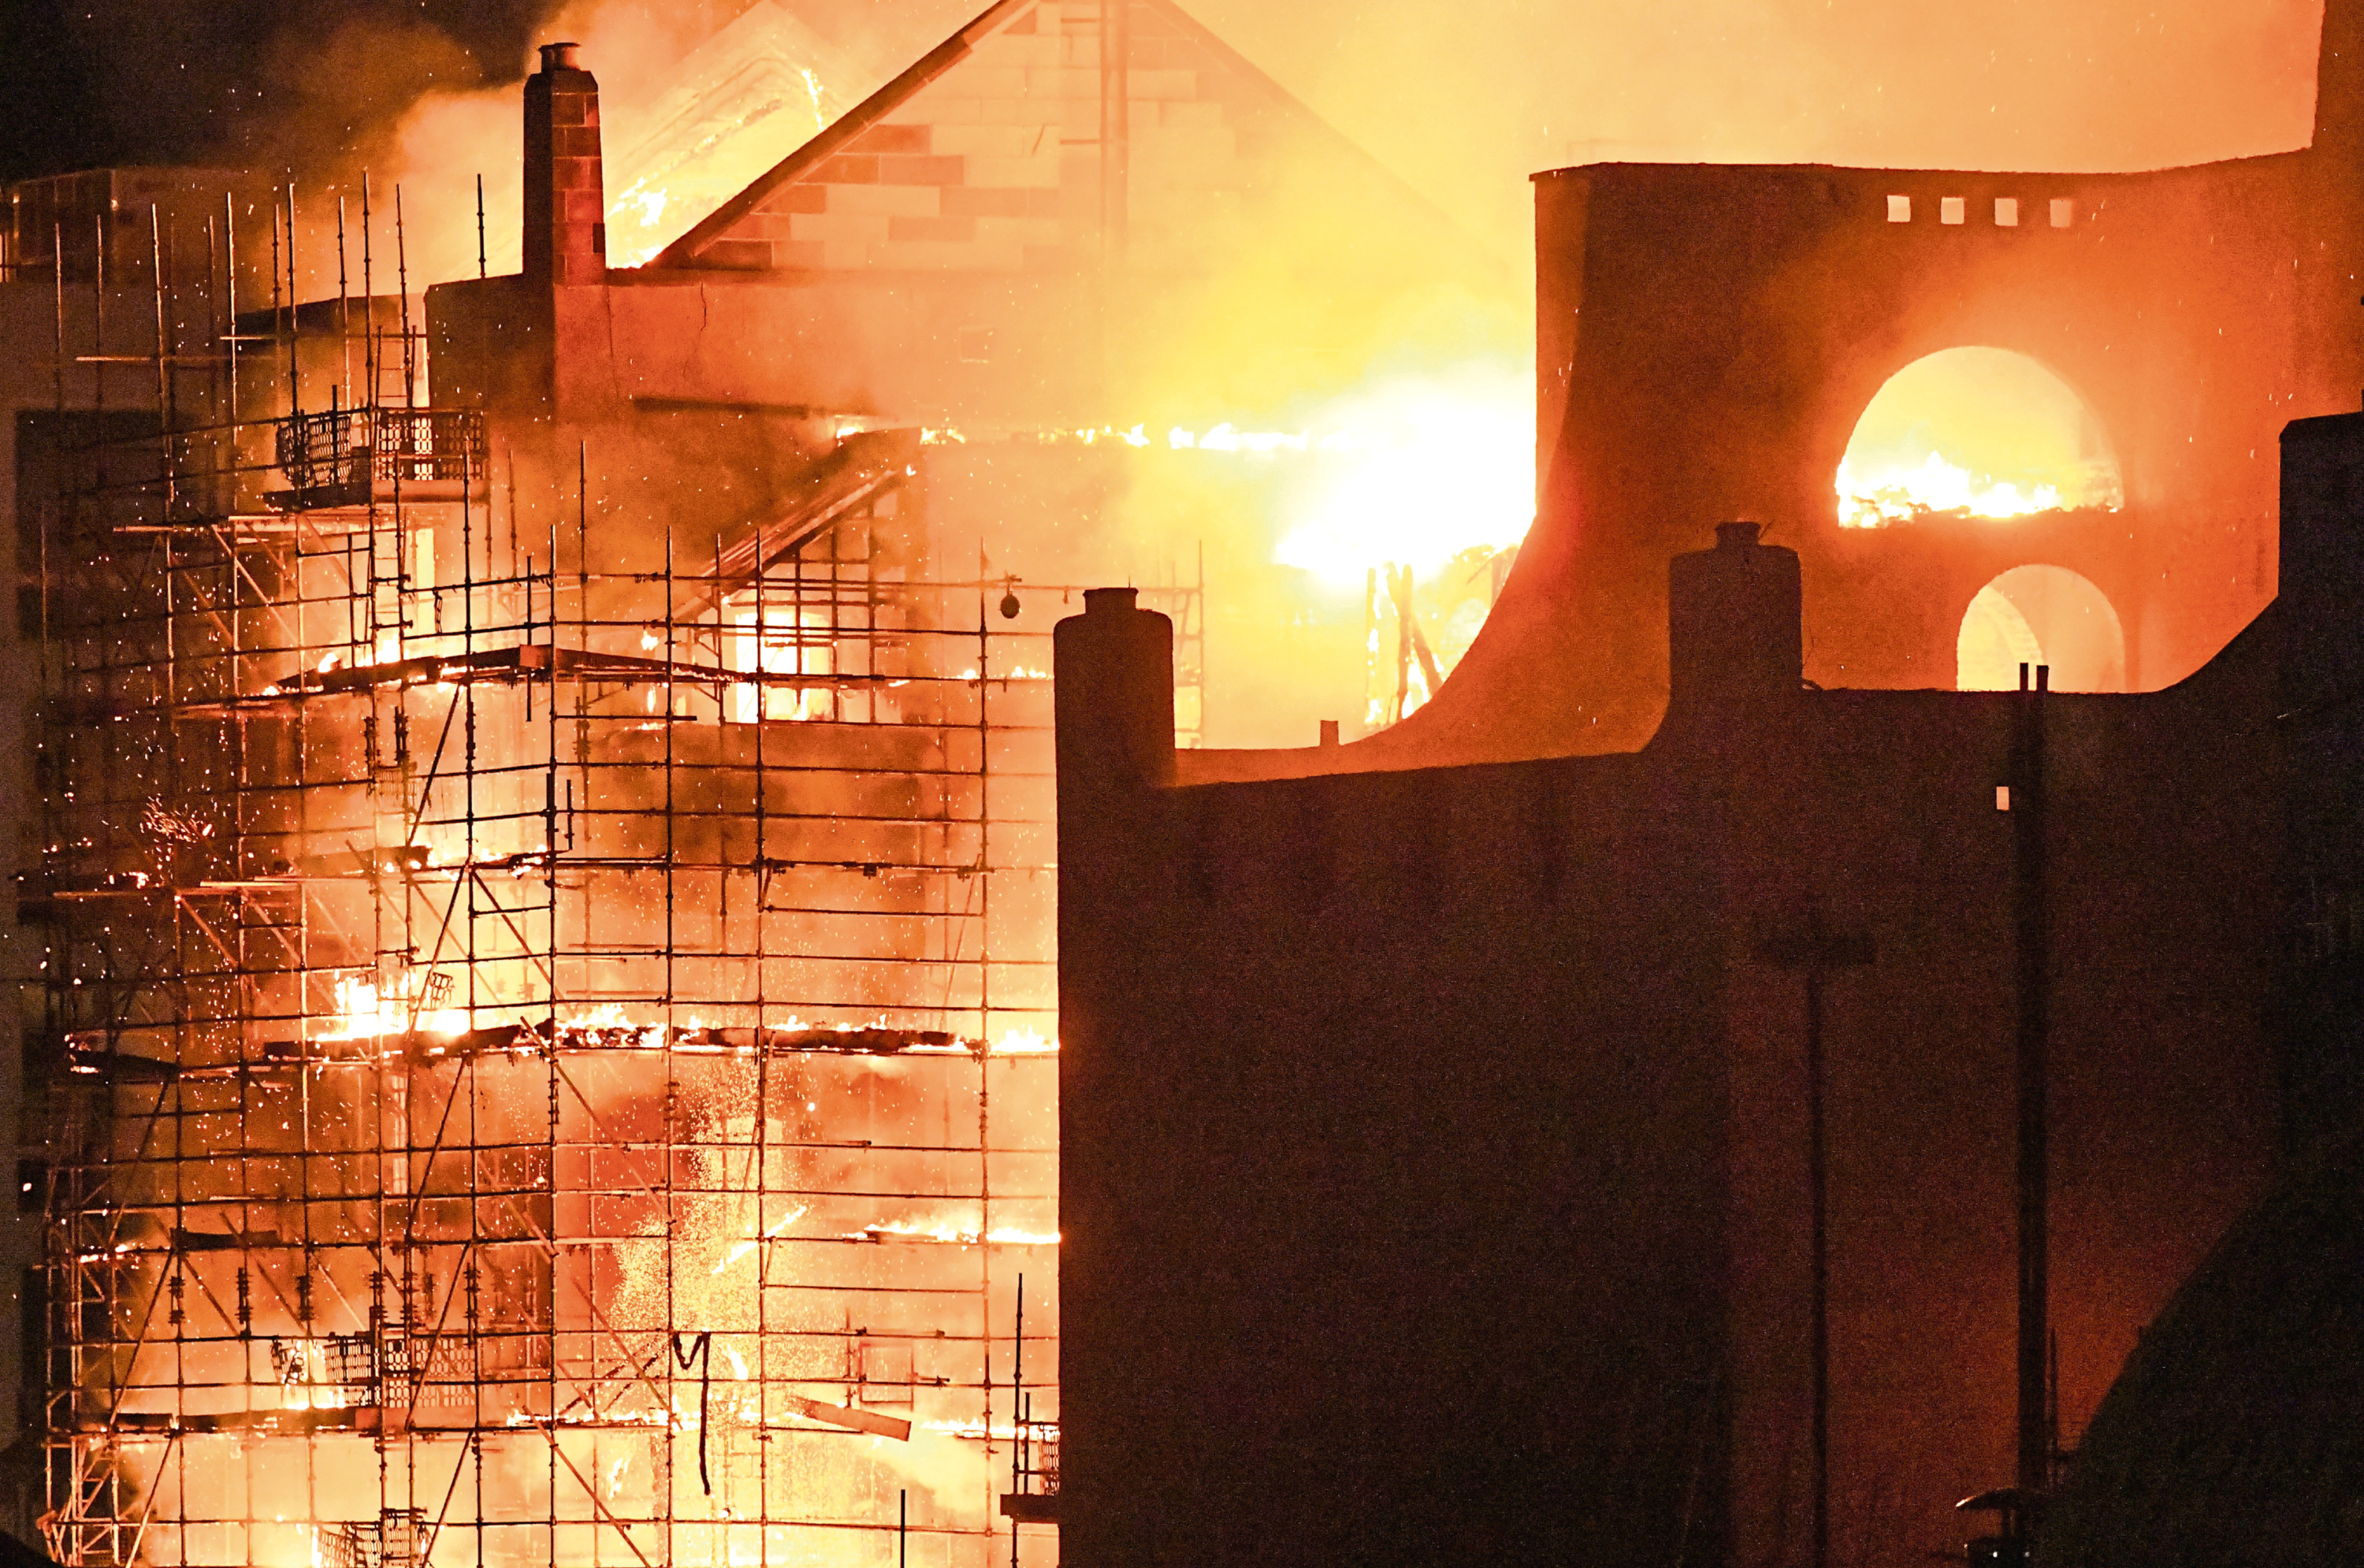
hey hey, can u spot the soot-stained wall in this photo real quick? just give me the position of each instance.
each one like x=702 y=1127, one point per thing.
x=1434 y=1145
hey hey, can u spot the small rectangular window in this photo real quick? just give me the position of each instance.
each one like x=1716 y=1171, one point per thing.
x=2003 y=797
x=2006 y=212
x=1899 y=209
x=1952 y=210
x=2063 y=210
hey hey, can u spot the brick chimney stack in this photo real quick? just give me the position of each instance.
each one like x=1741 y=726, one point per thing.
x=566 y=202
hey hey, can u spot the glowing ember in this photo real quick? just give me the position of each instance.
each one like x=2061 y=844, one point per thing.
x=1224 y=438
x=945 y=1230
x=1934 y=488
x=736 y=104
x=746 y=1248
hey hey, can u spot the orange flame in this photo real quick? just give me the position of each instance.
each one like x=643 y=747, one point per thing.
x=364 y=1012
x=1901 y=494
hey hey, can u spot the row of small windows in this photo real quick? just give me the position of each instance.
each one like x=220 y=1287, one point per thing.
x=1954 y=209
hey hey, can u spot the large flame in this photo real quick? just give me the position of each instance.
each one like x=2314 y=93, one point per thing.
x=366 y=1012
x=724 y=113
x=1432 y=466
x=1416 y=496
x=1975 y=432
x=1892 y=492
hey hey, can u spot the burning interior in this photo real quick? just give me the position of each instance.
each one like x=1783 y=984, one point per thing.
x=1975 y=432
x=558 y=1061
x=1988 y=437
x=551 y=1062
x=547 y=873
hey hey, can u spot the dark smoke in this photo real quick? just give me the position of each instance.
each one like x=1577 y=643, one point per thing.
x=263 y=84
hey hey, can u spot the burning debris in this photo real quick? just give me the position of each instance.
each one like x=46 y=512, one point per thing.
x=1975 y=433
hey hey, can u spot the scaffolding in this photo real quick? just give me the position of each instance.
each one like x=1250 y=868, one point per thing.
x=550 y=1062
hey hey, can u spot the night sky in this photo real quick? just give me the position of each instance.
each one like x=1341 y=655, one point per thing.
x=91 y=82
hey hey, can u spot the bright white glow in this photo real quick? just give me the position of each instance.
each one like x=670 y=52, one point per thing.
x=1896 y=494
x=1438 y=465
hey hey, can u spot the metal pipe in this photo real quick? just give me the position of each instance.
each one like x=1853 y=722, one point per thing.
x=229 y=314
x=1814 y=945
x=369 y=303
x=402 y=286
x=2031 y=917
x=294 y=313
x=1818 y=1188
x=1017 y=1411
x=344 y=309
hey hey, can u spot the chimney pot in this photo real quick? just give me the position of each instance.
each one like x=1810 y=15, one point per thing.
x=559 y=57
x=1736 y=535
x=1109 y=601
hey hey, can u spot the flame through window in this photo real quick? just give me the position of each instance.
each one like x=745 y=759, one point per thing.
x=1975 y=432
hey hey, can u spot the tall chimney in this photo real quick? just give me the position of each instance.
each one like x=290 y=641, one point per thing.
x=566 y=202
x=1734 y=644
x=1116 y=722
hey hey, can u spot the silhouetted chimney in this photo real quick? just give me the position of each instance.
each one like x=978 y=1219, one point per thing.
x=1734 y=638
x=566 y=202
x=1114 y=683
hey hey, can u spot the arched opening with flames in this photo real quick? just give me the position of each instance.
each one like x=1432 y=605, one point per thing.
x=1975 y=433
x=2041 y=614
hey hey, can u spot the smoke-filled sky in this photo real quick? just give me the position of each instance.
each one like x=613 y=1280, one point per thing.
x=1465 y=99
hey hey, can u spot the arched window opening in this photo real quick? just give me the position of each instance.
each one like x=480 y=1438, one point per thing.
x=1975 y=433
x=2041 y=614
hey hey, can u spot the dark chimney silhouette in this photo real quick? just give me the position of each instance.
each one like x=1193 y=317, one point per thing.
x=565 y=201
x=1736 y=647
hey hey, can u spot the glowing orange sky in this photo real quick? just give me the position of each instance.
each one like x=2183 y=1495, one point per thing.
x=1465 y=99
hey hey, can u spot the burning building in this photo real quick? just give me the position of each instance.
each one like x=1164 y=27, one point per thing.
x=606 y=1071
x=1114 y=300
x=1717 y=1084
x=546 y=1044
x=544 y=882
x=1933 y=380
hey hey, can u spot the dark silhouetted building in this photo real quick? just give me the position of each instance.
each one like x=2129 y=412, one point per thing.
x=1434 y=1146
